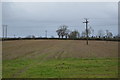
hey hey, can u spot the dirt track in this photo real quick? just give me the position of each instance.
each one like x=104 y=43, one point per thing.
x=58 y=49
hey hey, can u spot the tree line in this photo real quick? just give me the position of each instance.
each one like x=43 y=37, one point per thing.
x=64 y=32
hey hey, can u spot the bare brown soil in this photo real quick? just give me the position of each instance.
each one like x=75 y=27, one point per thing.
x=51 y=49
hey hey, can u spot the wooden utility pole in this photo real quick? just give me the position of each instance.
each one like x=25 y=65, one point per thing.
x=86 y=22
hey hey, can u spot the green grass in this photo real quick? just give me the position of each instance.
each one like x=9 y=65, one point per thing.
x=61 y=68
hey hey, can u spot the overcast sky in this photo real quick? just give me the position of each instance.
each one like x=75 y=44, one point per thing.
x=33 y=18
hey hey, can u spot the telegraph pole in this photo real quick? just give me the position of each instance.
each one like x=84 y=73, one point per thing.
x=86 y=22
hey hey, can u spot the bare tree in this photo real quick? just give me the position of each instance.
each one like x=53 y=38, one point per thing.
x=30 y=36
x=67 y=33
x=62 y=31
x=101 y=33
x=91 y=31
x=74 y=34
x=59 y=32
x=109 y=34
x=84 y=33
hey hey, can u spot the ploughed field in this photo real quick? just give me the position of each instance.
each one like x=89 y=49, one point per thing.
x=60 y=59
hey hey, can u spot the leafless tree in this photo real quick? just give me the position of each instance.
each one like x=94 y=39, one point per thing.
x=74 y=34
x=109 y=34
x=30 y=36
x=101 y=33
x=84 y=33
x=63 y=31
x=91 y=30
